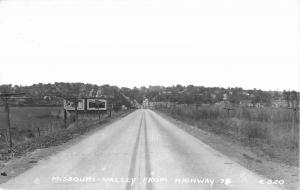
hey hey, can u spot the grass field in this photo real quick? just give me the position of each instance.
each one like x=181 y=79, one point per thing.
x=30 y=122
x=49 y=120
x=275 y=131
x=27 y=121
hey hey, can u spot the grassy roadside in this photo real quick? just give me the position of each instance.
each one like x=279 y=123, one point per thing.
x=265 y=137
x=250 y=157
x=59 y=136
x=28 y=154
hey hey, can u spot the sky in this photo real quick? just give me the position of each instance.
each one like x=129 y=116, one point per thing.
x=213 y=43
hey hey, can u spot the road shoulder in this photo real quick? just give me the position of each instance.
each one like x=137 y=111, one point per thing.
x=245 y=156
x=19 y=165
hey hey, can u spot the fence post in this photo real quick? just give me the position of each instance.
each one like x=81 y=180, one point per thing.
x=99 y=115
x=294 y=117
x=294 y=124
x=110 y=109
x=65 y=118
x=39 y=132
x=228 y=111
x=76 y=112
x=8 y=123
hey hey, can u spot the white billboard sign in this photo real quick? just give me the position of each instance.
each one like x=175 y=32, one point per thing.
x=96 y=104
x=70 y=105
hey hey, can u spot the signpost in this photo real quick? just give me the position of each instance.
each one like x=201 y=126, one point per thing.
x=96 y=104
x=73 y=104
x=6 y=97
x=84 y=104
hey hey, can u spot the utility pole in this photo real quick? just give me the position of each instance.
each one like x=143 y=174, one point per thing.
x=293 y=123
x=8 y=122
x=6 y=97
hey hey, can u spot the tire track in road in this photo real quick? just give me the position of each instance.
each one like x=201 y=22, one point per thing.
x=177 y=145
x=131 y=173
x=106 y=145
x=147 y=157
x=135 y=165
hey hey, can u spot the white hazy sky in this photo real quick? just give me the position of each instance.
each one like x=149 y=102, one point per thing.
x=228 y=43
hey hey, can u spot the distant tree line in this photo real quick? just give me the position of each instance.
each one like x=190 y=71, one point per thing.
x=210 y=95
x=41 y=94
x=46 y=94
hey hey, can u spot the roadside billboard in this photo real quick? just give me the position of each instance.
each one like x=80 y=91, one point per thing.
x=96 y=104
x=70 y=105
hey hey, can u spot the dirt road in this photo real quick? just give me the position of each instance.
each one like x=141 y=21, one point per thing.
x=142 y=151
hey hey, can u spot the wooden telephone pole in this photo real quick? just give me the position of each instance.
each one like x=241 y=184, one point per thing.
x=294 y=123
x=5 y=98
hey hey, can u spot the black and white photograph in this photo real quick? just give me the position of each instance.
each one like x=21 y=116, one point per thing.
x=149 y=94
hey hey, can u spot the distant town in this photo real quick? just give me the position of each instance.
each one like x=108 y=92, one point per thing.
x=44 y=94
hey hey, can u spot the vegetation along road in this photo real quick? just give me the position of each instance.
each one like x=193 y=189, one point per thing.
x=140 y=151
